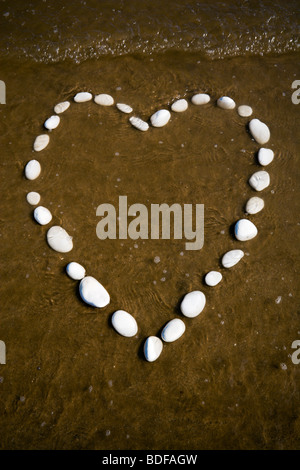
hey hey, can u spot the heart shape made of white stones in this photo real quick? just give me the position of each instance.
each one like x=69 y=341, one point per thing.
x=91 y=290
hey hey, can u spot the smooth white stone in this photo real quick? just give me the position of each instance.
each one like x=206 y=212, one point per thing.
x=139 y=123
x=93 y=293
x=124 y=323
x=173 y=330
x=245 y=230
x=226 y=103
x=213 y=278
x=254 y=205
x=104 y=100
x=61 y=107
x=160 y=118
x=152 y=348
x=244 y=110
x=32 y=169
x=125 y=108
x=200 y=98
x=52 y=122
x=231 y=258
x=193 y=303
x=42 y=215
x=41 y=142
x=179 y=106
x=265 y=156
x=59 y=240
x=83 y=96
x=33 y=198
x=75 y=271
x=259 y=180
x=260 y=131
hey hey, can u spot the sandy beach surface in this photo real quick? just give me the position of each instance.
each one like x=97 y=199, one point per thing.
x=70 y=381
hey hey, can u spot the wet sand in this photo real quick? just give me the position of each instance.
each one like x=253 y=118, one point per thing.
x=70 y=381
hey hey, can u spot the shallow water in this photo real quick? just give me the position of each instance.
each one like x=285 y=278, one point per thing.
x=70 y=381
x=55 y=31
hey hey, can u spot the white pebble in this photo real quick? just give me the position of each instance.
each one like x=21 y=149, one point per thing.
x=33 y=198
x=52 y=122
x=59 y=240
x=245 y=230
x=61 y=107
x=104 y=100
x=41 y=142
x=260 y=131
x=173 y=330
x=139 y=123
x=125 y=108
x=200 y=98
x=193 y=303
x=32 y=169
x=152 y=348
x=42 y=215
x=156 y=259
x=259 y=180
x=93 y=293
x=213 y=278
x=75 y=271
x=265 y=156
x=226 y=103
x=244 y=110
x=231 y=258
x=124 y=323
x=254 y=205
x=82 y=97
x=160 y=118
x=179 y=106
